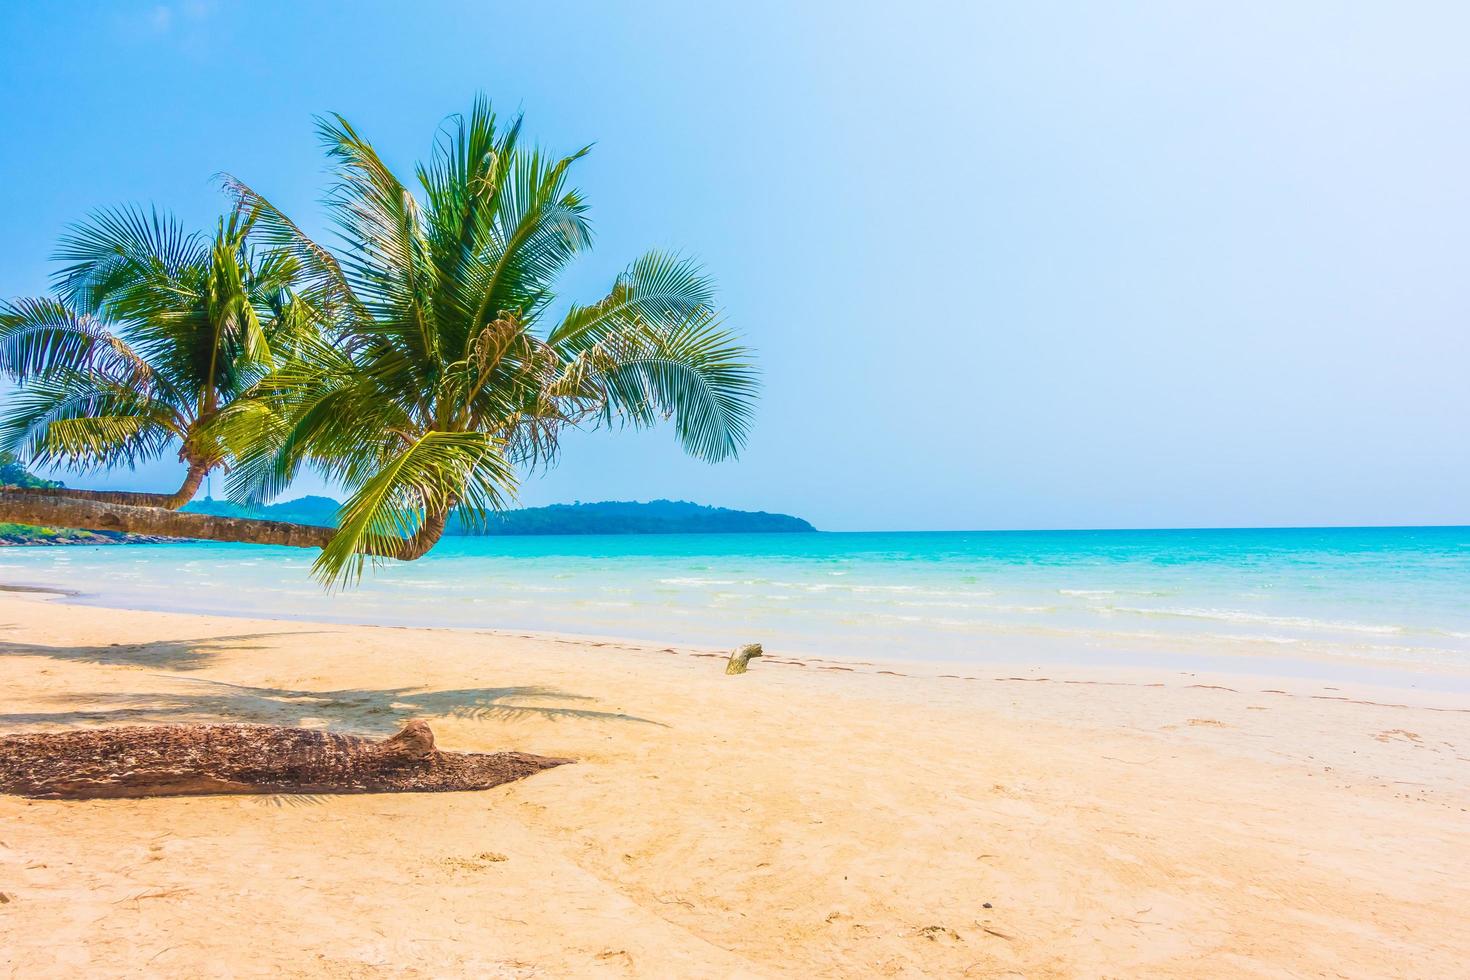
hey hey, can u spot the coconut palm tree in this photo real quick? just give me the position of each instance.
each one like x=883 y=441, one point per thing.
x=444 y=368
x=152 y=333
x=448 y=369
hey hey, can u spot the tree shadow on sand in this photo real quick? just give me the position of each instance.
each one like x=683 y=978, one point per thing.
x=362 y=711
x=171 y=654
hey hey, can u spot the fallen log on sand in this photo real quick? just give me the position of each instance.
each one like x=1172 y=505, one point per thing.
x=188 y=760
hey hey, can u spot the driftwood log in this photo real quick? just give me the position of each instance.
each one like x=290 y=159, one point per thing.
x=739 y=661
x=188 y=760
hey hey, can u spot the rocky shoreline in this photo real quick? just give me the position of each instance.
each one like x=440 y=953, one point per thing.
x=35 y=537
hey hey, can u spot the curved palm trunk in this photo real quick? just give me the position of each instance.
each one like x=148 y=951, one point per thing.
x=100 y=515
x=169 y=501
x=424 y=538
x=192 y=481
x=125 y=497
x=35 y=506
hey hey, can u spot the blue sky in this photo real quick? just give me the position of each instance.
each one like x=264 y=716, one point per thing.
x=1021 y=265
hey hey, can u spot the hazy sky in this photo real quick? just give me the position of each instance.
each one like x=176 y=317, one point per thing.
x=1006 y=265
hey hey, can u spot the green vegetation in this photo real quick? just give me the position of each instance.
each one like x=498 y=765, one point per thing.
x=424 y=365
x=154 y=331
x=441 y=373
x=26 y=534
x=608 y=517
x=627 y=517
x=13 y=474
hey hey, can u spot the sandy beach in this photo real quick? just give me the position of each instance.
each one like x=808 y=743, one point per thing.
x=809 y=818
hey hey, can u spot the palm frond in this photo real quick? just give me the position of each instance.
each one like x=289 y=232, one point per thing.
x=121 y=258
x=40 y=336
x=463 y=182
x=695 y=372
x=538 y=226
x=322 y=281
x=381 y=222
x=657 y=288
x=254 y=436
x=84 y=422
x=315 y=405
x=433 y=474
x=236 y=339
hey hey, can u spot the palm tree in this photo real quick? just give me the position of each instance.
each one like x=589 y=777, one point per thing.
x=153 y=332
x=446 y=371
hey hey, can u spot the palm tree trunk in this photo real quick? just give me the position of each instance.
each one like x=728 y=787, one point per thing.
x=63 y=510
x=100 y=496
x=424 y=538
x=168 y=501
x=38 y=507
x=197 y=472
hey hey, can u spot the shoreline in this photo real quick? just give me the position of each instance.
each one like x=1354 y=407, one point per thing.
x=1375 y=609
x=1163 y=678
x=792 y=821
x=1429 y=685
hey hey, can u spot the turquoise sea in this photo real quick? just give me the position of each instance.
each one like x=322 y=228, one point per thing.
x=1278 y=600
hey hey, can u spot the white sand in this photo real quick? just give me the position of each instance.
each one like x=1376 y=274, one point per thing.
x=794 y=821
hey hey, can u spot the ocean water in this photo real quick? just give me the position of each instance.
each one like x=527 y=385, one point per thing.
x=1278 y=600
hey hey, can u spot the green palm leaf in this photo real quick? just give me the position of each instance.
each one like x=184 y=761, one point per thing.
x=694 y=372
x=439 y=375
x=123 y=262
x=431 y=476
x=659 y=287
x=155 y=331
x=320 y=279
x=85 y=422
x=41 y=335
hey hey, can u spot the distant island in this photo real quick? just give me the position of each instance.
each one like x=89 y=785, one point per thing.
x=605 y=517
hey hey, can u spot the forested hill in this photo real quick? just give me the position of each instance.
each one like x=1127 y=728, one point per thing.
x=607 y=517
x=628 y=517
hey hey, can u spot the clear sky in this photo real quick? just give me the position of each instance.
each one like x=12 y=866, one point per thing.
x=1006 y=265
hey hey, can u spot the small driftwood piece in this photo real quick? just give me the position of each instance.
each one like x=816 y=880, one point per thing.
x=740 y=660
x=188 y=760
